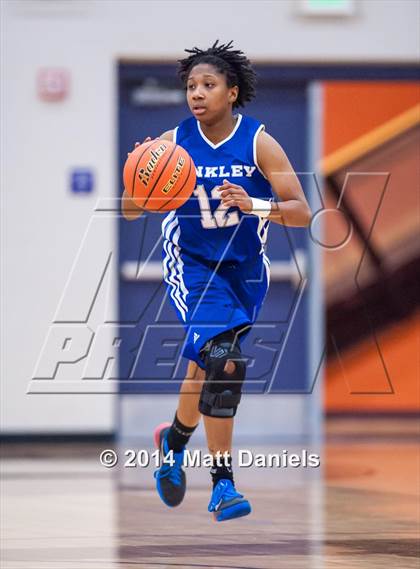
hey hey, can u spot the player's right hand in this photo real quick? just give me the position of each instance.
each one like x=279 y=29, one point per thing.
x=138 y=144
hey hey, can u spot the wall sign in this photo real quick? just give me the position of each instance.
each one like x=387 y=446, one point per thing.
x=53 y=84
x=81 y=181
x=327 y=7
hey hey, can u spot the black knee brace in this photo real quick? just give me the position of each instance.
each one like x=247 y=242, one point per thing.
x=221 y=391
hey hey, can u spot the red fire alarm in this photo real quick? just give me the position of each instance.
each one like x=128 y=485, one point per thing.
x=53 y=84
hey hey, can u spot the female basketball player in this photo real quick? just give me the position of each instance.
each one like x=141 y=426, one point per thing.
x=214 y=259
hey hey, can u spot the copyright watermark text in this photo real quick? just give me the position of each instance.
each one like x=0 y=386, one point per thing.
x=245 y=458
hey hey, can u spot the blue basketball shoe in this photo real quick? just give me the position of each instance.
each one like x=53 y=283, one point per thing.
x=170 y=477
x=226 y=503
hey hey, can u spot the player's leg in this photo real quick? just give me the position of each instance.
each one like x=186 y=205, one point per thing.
x=189 y=396
x=250 y=284
x=187 y=415
x=221 y=394
x=171 y=439
x=219 y=434
x=219 y=431
x=182 y=276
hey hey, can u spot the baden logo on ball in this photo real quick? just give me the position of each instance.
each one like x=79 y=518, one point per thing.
x=146 y=173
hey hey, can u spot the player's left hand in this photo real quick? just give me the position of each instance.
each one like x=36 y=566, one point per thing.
x=233 y=195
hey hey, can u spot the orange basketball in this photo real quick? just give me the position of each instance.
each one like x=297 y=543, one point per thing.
x=159 y=175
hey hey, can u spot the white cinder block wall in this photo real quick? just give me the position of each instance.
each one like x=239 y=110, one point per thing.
x=42 y=223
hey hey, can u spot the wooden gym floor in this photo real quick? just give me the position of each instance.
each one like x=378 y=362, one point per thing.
x=61 y=510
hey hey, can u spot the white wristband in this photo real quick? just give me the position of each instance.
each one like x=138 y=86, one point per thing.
x=262 y=208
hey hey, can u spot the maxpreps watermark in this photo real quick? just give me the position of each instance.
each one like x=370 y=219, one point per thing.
x=196 y=458
x=92 y=347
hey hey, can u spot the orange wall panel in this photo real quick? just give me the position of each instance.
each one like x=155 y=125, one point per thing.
x=353 y=108
x=382 y=377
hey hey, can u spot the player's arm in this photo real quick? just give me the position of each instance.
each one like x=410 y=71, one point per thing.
x=293 y=209
x=129 y=209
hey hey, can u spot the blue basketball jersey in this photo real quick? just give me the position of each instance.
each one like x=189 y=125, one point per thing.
x=204 y=228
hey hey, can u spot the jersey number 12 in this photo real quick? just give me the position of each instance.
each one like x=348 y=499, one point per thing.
x=220 y=217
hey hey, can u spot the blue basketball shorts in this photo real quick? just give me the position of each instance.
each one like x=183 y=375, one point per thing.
x=211 y=298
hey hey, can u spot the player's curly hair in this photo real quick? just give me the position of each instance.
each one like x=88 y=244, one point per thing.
x=232 y=63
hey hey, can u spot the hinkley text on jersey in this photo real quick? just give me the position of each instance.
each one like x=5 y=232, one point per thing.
x=233 y=171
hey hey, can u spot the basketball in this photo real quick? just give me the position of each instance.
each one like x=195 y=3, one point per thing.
x=159 y=175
